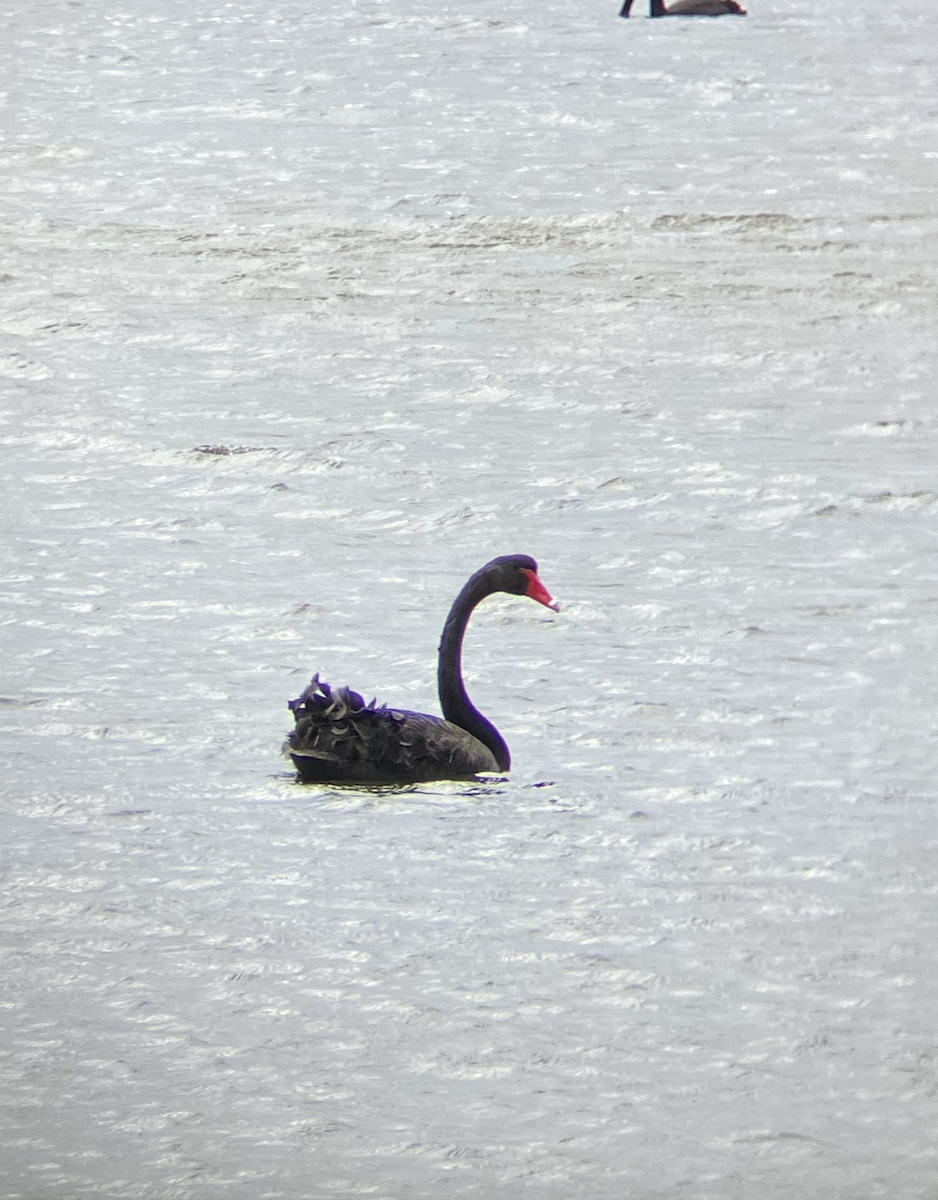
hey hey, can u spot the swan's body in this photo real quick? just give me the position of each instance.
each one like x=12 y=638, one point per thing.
x=689 y=8
x=340 y=739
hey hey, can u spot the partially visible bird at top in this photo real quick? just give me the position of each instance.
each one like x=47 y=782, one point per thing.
x=689 y=8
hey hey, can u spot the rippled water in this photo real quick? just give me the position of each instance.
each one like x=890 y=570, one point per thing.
x=306 y=312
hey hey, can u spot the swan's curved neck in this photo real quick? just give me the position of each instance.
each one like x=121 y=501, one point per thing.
x=456 y=705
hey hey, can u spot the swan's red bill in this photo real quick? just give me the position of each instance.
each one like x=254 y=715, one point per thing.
x=537 y=591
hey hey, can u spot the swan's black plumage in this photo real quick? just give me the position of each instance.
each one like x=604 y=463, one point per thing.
x=340 y=739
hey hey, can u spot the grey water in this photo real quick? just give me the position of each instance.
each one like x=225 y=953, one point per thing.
x=306 y=311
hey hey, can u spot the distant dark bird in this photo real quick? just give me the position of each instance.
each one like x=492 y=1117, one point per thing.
x=689 y=8
x=340 y=739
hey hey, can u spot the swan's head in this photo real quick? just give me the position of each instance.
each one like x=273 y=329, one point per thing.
x=517 y=574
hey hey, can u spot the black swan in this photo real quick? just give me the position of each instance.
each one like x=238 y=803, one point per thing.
x=340 y=739
x=689 y=8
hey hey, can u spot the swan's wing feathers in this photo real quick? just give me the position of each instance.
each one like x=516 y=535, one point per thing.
x=456 y=753
x=320 y=697
x=338 y=737
x=348 y=700
x=309 y=694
